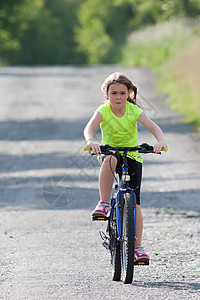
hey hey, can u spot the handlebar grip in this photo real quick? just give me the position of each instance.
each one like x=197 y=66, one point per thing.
x=163 y=149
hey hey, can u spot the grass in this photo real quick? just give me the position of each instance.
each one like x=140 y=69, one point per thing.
x=172 y=50
x=184 y=68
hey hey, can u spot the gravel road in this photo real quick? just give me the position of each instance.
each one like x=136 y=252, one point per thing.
x=50 y=248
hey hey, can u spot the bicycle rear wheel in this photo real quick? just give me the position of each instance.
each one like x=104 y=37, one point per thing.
x=128 y=242
x=114 y=248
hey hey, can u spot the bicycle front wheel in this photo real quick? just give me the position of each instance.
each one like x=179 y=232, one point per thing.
x=114 y=248
x=127 y=242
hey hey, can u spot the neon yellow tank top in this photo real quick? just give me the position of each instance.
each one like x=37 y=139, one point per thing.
x=121 y=132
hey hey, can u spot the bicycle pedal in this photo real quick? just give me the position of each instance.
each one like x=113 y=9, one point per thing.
x=141 y=263
x=99 y=218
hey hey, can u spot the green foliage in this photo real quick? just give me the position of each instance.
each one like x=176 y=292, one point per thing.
x=49 y=37
x=80 y=31
x=178 y=91
x=171 y=49
x=179 y=78
x=154 y=45
x=104 y=25
x=14 y=16
x=91 y=36
x=103 y=28
x=45 y=36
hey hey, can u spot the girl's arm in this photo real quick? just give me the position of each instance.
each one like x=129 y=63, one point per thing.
x=89 y=133
x=155 y=130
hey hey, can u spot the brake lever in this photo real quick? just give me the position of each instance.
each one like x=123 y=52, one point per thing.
x=103 y=152
x=147 y=151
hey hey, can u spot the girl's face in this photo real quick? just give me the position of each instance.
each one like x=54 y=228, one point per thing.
x=118 y=94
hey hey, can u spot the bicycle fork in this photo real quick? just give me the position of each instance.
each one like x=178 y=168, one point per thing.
x=118 y=211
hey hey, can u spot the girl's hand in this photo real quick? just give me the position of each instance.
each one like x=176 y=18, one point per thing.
x=160 y=145
x=94 y=146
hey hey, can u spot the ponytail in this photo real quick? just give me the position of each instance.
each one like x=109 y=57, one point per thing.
x=132 y=94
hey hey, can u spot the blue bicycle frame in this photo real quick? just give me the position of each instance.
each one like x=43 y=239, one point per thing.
x=122 y=189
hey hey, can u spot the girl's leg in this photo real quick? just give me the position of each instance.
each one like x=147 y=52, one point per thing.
x=136 y=174
x=135 y=171
x=105 y=185
x=140 y=254
x=139 y=225
x=106 y=177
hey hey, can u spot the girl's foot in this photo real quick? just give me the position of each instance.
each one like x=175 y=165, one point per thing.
x=101 y=209
x=140 y=254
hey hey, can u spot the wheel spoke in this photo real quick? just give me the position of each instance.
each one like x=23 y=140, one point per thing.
x=127 y=241
x=114 y=248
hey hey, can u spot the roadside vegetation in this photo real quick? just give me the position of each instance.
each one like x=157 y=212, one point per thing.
x=172 y=50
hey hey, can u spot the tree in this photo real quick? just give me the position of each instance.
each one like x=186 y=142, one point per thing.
x=47 y=37
x=14 y=17
x=103 y=27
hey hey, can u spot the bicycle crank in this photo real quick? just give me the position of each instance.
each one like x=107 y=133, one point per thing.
x=105 y=239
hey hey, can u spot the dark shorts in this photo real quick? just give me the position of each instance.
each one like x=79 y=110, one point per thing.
x=134 y=171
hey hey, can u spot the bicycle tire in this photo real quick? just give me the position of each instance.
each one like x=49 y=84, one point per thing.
x=114 y=248
x=128 y=241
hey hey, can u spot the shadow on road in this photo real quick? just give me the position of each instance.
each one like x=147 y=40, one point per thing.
x=169 y=125
x=42 y=130
x=183 y=286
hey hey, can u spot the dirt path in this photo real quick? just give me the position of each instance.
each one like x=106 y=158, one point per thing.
x=50 y=249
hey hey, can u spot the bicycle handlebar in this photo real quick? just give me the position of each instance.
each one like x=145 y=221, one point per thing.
x=143 y=148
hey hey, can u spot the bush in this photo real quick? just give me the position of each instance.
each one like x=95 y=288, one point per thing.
x=167 y=49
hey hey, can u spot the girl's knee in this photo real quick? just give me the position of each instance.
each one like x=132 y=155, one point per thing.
x=110 y=160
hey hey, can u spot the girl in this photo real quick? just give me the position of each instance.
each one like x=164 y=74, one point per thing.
x=118 y=122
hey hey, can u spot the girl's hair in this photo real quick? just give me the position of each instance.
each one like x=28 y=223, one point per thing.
x=122 y=79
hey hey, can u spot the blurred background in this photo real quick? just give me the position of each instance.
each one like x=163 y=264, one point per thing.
x=161 y=35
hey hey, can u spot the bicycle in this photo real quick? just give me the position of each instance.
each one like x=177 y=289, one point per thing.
x=121 y=235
